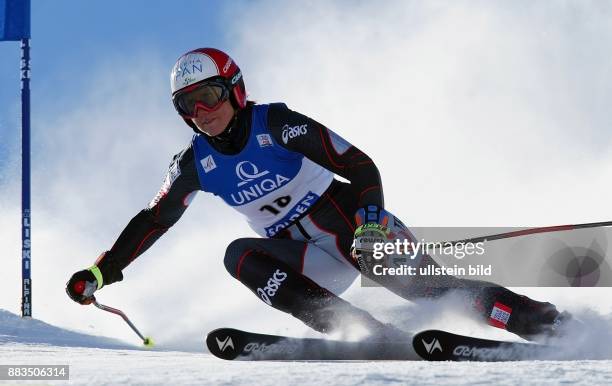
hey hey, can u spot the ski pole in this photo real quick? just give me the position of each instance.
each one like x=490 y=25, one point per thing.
x=531 y=231
x=147 y=341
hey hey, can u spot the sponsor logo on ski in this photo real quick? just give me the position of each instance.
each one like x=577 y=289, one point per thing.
x=225 y=343
x=272 y=286
x=290 y=132
x=248 y=172
x=270 y=348
x=432 y=346
x=264 y=140
x=208 y=163
x=482 y=353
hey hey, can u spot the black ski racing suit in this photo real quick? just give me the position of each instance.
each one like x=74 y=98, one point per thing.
x=302 y=268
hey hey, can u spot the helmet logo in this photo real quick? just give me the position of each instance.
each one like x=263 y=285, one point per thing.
x=236 y=77
x=186 y=67
x=188 y=80
x=227 y=64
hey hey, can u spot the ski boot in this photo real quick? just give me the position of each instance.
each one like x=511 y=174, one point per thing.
x=530 y=319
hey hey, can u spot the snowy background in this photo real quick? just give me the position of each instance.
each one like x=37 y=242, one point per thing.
x=477 y=113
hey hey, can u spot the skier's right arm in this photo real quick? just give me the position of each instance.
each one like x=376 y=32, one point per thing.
x=179 y=187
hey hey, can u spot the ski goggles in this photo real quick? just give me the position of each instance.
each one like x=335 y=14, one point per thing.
x=208 y=95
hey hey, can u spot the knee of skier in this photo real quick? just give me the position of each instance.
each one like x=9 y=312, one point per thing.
x=234 y=252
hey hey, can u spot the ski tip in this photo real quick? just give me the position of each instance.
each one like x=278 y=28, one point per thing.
x=427 y=345
x=436 y=345
x=224 y=343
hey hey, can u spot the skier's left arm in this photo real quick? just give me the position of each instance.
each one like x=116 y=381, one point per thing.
x=302 y=134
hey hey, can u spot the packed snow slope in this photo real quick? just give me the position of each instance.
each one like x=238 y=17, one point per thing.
x=96 y=360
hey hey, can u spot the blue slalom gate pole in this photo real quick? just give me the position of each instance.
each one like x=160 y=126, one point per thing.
x=26 y=229
x=15 y=26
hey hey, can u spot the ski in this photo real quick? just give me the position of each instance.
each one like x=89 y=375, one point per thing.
x=436 y=345
x=431 y=345
x=232 y=344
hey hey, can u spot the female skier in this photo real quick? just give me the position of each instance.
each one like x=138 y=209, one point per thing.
x=276 y=167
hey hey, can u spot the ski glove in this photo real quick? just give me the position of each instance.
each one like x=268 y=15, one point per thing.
x=372 y=214
x=83 y=284
x=372 y=228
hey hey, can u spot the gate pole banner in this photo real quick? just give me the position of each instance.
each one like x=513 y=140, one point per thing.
x=15 y=26
x=14 y=20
